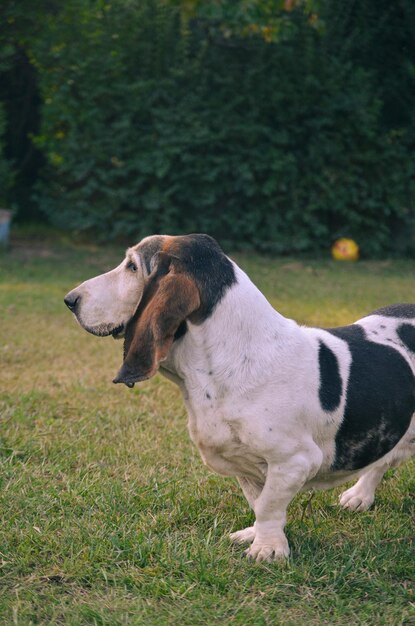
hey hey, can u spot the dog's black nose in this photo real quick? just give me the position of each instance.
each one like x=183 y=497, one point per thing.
x=71 y=300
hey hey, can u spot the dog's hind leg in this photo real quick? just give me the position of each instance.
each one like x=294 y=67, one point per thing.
x=361 y=496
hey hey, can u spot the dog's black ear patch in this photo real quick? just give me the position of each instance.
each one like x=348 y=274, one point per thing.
x=406 y=333
x=330 y=389
x=203 y=259
x=380 y=401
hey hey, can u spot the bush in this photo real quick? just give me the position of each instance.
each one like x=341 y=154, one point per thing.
x=6 y=171
x=154 y=125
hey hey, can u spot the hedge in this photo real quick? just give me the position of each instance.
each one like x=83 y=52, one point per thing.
x=155 y=124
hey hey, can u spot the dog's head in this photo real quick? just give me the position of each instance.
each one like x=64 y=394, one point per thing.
x=104 y=305
x=170 y=297
x=161 y=282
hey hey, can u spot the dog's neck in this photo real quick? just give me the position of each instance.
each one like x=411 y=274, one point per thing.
x=237 y=344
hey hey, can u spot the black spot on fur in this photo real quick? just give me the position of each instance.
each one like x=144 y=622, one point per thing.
x=208 y=396
x=200 y=256
x=213 y=272
x=182 y=330
x=406 y=311
x=406 y=333
x=380 y=401
x=330 y=390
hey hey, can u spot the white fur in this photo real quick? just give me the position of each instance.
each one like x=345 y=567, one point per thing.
x=109 y=301
x=250 y=380
x=263 y=421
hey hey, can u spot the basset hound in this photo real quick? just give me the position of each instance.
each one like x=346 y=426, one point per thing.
x=281 y=407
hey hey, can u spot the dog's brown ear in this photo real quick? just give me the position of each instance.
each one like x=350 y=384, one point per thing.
x=171 y=297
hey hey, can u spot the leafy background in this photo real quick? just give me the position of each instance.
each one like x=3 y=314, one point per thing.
x=278 y=126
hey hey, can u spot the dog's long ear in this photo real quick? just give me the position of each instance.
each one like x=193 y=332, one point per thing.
x=169 y=298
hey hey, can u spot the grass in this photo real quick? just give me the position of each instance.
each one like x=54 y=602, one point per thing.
x=108 y=516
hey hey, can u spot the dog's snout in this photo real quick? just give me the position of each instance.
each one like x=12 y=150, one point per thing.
x=72 y=300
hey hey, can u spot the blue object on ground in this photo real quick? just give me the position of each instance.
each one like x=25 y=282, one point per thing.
x=5 y=220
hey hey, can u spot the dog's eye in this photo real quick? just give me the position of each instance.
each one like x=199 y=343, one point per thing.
x=131 y=266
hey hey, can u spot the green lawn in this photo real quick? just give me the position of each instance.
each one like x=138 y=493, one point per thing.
x=108 y=516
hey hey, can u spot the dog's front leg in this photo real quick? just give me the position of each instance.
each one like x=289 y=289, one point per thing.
x=282 y=483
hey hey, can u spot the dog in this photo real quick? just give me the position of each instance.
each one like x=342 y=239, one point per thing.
x=281 y=407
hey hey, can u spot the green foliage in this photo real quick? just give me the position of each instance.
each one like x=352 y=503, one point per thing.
x=21 y=23
x=6 y=171
x=380 y=37
x=259 y=125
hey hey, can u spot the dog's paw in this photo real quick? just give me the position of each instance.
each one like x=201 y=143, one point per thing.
x=356 y=499
x=276 y=551
x=247 y=535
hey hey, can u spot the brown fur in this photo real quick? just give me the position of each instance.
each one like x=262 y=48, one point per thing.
x=170 y=296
